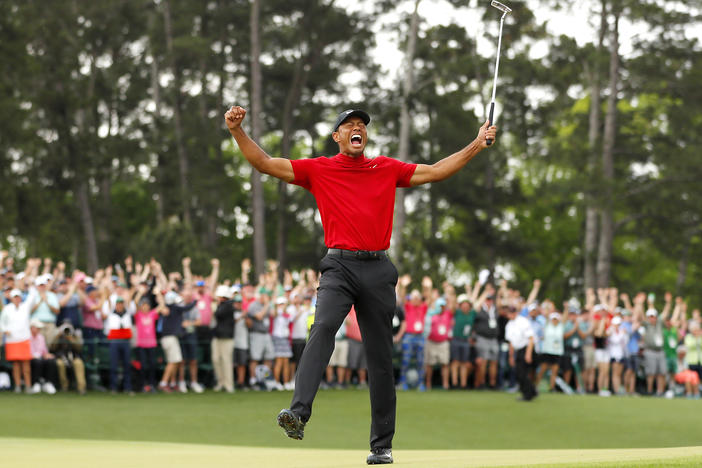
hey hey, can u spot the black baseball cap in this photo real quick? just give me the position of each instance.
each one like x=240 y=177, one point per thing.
x=351 y=113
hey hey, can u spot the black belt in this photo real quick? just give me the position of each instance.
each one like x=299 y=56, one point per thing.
x=359 y=254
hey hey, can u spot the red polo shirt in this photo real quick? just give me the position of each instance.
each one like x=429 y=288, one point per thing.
x=355 y=197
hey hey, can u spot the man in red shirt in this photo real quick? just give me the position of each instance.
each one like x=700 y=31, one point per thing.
x=356 y=198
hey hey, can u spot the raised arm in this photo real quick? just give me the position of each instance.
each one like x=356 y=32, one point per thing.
x=666 y=307
x=448 y=166
x=404 y=281
x=214 y=275
x=187 y=273
x=280 y=168
x=534 y=291
x=245 y=270
x=638 y=312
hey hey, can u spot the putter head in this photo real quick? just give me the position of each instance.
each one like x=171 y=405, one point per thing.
x=503 y=8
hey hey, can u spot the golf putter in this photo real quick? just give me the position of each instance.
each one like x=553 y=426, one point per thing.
x=505 y=10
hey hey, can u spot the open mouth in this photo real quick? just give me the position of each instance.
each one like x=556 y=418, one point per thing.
x=356 y=140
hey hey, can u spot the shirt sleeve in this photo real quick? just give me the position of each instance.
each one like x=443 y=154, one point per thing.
x=403 y=171
x=303 y=169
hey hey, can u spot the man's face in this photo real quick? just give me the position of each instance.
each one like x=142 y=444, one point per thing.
x=351 y=136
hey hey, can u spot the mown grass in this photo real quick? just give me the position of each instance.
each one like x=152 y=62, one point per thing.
x=436 y=420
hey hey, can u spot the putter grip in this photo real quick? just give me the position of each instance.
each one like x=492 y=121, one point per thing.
x=492 y=114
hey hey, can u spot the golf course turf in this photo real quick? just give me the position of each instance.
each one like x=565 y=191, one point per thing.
x=439 y=428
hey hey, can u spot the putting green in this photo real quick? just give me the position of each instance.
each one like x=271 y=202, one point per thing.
x=58 y=453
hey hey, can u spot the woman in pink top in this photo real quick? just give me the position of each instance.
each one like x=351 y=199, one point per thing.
x=145 y=321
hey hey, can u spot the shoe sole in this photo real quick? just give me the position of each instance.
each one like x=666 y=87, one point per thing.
x=379 y=462
x=290 y=425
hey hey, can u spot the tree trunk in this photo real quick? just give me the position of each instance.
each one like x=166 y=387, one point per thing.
x=405 y=129
x=86 y=219
x=591 y=212
x=155 y=140
x=257 y=202
x=177 y=105
x=291 y=101
x=604 y=258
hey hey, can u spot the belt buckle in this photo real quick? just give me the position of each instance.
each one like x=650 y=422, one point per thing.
x=363 y=254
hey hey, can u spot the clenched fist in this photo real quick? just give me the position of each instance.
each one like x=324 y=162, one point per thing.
x=234 y=116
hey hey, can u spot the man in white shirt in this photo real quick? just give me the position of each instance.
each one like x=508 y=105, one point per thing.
x=520 y=335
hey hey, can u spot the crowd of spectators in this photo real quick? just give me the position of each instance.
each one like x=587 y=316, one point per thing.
x=135 y=328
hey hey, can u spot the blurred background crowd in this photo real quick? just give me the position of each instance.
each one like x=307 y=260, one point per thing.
x=137 y=328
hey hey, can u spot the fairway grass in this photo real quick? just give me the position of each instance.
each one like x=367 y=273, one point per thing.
x=442 y=429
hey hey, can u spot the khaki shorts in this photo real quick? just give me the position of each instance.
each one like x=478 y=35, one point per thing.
x=340 y=356
x=171 y=348
x=436 y=354
x=589 y=357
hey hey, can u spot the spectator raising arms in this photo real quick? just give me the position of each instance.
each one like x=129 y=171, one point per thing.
x=552 y=347
x=413 y=338
x=223 y=340
x=145 y=321
x=486 y=333
x=14 y=325
x=118 y=324
x=461 y=365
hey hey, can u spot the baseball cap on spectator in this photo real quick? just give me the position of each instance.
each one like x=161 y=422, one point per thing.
x=36 y=324
x=341 y=118
x=554 y=316
x=265 y=291
x=651 y=313
x=532 y=306
x=171 y=298
x=223 y=291
x=16 y=293
x=599 y=307
x=440 y=302
x=80 y=276
x=237 y=297
x=626 y=312
x=463 y=298
x=201 y=283
x=41 y=280
x=19 y=276
x=118 y=300
x=88 y=280
x=616 y=320
x=281 y=300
